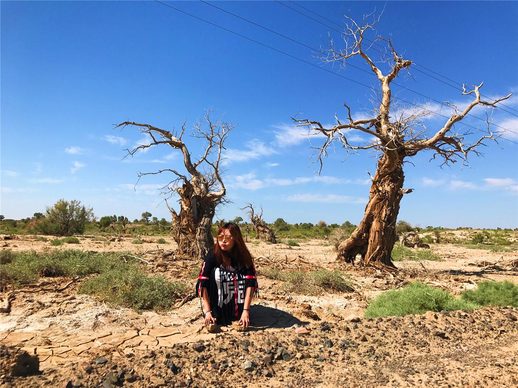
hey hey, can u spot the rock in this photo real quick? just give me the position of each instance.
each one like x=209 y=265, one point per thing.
x=198 y=346
x=268 y=359
x=212 y=328
x=248 y=366
x=173 y=367
x=325 y=326
x=131 y=377
x=328 y=343
x=301 y=330
x=111 y=380
x=76 y=383
x=100 y=360
x=267 y=373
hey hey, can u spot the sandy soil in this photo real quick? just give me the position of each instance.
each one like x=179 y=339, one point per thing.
x=296 y=340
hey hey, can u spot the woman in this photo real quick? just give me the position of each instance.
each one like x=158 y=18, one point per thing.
x=227 y=280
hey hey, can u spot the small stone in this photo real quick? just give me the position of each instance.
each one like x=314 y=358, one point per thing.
x=324 y=326
x=111 y=379
x=173 y=367
x=279 y=353
x=268 y=359
x=74 y=384
x=301 y=330
x=441 y=334
x=267 y=373
x=101 y=360
x=131 y=378
x=248 y=366
x=198 y=346
x=212 y=328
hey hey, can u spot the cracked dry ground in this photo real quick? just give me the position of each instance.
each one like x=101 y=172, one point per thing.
x=297 y=340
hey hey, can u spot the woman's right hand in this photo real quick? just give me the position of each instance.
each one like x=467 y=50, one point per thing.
x=209 y=319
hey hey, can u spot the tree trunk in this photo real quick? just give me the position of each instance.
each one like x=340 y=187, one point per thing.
x=191 y=228
x=375 y=236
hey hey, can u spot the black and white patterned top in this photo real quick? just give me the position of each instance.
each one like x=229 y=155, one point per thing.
x=226 y=287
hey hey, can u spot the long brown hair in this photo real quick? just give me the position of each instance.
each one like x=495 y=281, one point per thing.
x=239 y=252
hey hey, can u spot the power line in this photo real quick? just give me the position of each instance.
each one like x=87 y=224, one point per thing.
x=297 y=58
x=259 y=43
x=311 y=48
x=452 y=83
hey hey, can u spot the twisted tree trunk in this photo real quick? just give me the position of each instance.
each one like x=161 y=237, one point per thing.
x=376 y=235
x=191 y=227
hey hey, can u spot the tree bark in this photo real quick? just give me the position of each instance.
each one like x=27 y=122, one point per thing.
x=191 y=228
x=376 y=235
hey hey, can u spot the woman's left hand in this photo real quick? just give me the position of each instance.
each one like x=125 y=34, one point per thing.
x=245 y=318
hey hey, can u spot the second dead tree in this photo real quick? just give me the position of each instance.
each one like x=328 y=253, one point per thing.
x=262 y=230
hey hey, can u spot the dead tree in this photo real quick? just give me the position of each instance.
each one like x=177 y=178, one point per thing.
x=262 y=230
x=395 y=139
x=200 y=188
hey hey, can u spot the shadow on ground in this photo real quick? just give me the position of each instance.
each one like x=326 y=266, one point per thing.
x=267 y=317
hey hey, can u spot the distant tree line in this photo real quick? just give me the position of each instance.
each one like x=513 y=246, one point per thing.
x=67 y=218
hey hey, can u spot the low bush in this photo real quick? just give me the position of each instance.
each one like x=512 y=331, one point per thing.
x=491 y=293
x=119 y=281
x=310 y=282
x=331 y=280
x=26 y=267
x=161 y=241
x=131 y=288
x=400 y=253
x=71 y=240
x=6 y=256
x=415 y=298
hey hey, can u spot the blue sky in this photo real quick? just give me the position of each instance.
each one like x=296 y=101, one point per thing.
x=70 y=71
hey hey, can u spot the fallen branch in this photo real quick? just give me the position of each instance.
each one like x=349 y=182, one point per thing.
x=136 y=258
x=186 y=299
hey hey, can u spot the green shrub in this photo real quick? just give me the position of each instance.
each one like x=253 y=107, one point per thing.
x=56 y=242
x=400 y=253
x=134 y=289
x=292 y=243
x=137 y=241
x=403 y=227
x=161 y=241
x=331 y=280
x=479 y=238
x=26 y=267
x=272 y=273
x=65 y=218
x=71 y=240
x=310 y=282
x=6 y=256
x=415 y=298
x=491 y=293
